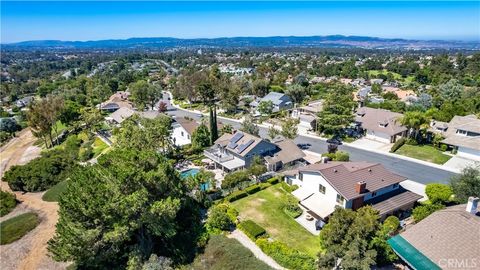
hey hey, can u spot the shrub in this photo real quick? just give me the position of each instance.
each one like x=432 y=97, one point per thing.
x=443 y=147
x=233 y=179
x=411 y=141
x=285 y=256
x=391 y=224
x=41 y=173
x=236 y=195
x=273 y=180
x=264 y=185
x=221 y=217
x=288 y=188
x=397 y=145
x=438 y=193
x=252 y=189
x=251 y=229
x=423 y=211
x=342 y=156
x=292 y=209
x=7 y=202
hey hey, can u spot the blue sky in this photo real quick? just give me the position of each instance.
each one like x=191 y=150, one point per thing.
x=93 y=20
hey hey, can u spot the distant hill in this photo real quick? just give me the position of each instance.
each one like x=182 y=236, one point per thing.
x=335 y=41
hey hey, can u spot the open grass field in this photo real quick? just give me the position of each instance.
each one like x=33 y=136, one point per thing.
x=266 y=209
x=226 y=253
x=423 y=152
x=53 y=194
x=396 y=76
x=16 y=227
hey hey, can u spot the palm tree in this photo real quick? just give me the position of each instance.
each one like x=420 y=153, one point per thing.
x=414 y=121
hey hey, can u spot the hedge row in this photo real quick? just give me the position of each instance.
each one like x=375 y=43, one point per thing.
x=236 y=195
x=273 y=180
x=398 y=144
x=251 y=229
x=285 y=256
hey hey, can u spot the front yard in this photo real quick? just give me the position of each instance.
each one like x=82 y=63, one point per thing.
x=423 y=152
x=266 y=209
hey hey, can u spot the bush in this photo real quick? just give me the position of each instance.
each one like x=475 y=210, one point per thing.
x=7 y=202
x=251 y=229
x=397 y=145
x=236 y=195
x=41 y=173
x=411 y=141
x=391 y=224
x=438 y=193
x=288 y=188
x=292 y=209
x=337 y=156
x=264 y=185
x=285 y=256
x=234 y=179
x=221 y=217
x=273 y=180
x=252 y=189
x=423 y=211
x=443 y=147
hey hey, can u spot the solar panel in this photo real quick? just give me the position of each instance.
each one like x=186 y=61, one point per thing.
x=244 y=146
x=236 y=137
x=232 y=145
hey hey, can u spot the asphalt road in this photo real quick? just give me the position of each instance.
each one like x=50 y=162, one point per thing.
x=414 y=171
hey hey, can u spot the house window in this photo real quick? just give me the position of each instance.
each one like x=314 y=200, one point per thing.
x=181 y=132
x=461 y=132
x=340 y=199
x=188 y=136
x=300 y=176
x=374 y=194
x=321 y=188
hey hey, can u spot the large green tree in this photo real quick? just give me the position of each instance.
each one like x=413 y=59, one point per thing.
x=337 y=110
x=122 y=210
x=466 y=184
x=414 y=120
x=145 y=94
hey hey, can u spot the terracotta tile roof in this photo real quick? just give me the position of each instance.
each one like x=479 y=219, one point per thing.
x=451 y=233
x=343 y=176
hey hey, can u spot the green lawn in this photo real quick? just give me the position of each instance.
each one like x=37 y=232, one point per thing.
x=53 y=194
x=225 y=253
x=423 y=152
x=396 y=76
x=16 y=227
x=266 y=209
x=98 y=146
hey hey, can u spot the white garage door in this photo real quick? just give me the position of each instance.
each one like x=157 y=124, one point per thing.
x=468 y=153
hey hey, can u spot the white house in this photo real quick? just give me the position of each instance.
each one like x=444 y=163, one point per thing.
x=463 y=133
x=183 y=129
x=325 y=186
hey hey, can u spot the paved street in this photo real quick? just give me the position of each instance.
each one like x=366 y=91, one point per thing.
x=412 y=170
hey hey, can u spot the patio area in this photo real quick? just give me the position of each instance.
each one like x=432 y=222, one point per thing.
x=308 y=223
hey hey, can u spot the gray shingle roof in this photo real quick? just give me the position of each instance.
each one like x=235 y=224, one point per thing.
x=276 y=98
x=468 y=123
x=372 y=118
x=451 y=233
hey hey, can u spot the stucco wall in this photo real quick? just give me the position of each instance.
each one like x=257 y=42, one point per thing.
x=181 y=139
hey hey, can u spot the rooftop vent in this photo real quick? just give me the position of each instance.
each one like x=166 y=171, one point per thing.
x=472 y=205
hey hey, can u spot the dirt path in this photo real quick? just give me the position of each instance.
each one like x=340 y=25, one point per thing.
x=257 y=252
x=30 y=252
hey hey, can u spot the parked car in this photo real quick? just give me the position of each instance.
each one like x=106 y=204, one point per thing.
x=353 y=133
x=335 y=140
x=303 y=146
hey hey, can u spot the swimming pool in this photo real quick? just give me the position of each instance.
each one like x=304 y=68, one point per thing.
x=189 y=172
x=193 y=172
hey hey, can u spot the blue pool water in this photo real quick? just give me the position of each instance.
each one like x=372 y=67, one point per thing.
x=192 y=172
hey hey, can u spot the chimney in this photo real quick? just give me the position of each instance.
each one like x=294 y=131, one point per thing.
x=472 y=205
x=360 y=187
x=324 y=160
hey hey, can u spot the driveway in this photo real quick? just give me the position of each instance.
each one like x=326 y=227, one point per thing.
x=369 y=144
x=459 y=163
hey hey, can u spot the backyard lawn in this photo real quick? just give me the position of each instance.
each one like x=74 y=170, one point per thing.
x=98 y=146
x=423 y=152
x=266 y=209
x=53 y=194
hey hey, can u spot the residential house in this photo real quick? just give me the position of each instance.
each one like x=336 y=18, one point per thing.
x=447 y=239
x=116 y=101
x=183 y=129
x=236 y=151
x=380 y=125
x=120 y=115
x=308 y=114
x=362 y=95
x=24 y=102
x=463 y=133
x=288 y=154
x=376 y=81
x=325 y=186
x=280 y=101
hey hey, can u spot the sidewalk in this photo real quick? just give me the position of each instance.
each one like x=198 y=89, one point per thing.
x=246 y=242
